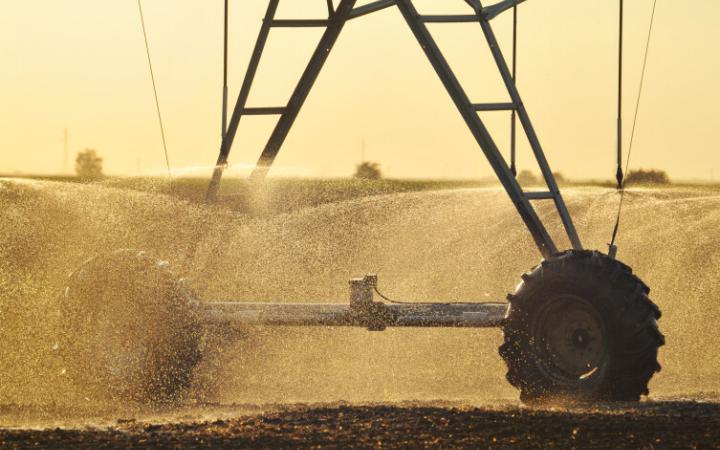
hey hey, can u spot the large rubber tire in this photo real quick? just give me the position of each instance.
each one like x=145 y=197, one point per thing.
x=581 y=328
x=130 y=331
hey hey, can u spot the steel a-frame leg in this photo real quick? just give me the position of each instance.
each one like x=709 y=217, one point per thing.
x=468 y=110
x=239 y=110
x=333 y=26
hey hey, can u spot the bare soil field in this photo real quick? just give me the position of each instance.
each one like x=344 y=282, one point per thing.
x=351 y=388
x=651 y=425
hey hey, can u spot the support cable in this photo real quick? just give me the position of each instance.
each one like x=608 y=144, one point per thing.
x=154 y=85
x=619 y=174
x=613 y=247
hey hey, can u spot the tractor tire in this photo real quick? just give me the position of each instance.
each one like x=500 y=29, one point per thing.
x=580 y=328
x=130 y=330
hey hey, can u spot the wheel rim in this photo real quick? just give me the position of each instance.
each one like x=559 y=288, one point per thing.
x=130 y=329
x=118 y=347
x=569 y=340
x=106 y=330
x=106 y=324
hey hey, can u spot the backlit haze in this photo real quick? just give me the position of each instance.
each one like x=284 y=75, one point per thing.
x=81 y=65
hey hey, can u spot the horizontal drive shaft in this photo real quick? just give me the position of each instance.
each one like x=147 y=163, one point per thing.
x=378 y=316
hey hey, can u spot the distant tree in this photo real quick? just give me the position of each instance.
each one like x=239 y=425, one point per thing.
x=526 y=178
x=88 y=165
x=559 y=177
x=647 y=177
x=368 y=170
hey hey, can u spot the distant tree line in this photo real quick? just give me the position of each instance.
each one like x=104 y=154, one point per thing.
x=651 y=176
x=88 y=165
x=529 y=178
x=368 y=170
x=633 y=177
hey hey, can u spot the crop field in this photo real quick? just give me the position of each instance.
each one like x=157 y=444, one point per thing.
x=301 y=241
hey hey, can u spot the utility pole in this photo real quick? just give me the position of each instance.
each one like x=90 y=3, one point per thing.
x=66 y=153
x=363 y=146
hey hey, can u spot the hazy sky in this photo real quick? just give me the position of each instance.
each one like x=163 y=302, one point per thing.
x=80 y=65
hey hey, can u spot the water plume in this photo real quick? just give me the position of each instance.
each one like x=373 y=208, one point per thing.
x=463 y=244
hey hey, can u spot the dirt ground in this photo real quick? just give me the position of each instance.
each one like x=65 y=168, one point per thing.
x=661 y=424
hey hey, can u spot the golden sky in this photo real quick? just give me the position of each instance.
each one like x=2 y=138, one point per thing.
x=80 y=65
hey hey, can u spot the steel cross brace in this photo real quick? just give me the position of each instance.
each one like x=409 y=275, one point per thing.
x=337 y=18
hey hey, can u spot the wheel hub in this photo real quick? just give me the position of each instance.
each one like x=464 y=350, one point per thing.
x=581 y=339
x=570 y=338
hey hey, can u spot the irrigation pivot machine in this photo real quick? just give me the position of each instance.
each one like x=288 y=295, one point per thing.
x=579 y=327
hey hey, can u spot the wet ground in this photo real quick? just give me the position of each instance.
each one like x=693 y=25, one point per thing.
x=661 y=424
